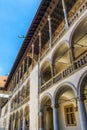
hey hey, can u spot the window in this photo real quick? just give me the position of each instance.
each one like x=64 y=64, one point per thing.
x=70 y=115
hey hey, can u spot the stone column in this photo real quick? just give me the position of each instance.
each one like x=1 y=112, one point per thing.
x=50 y=31
x=65 y=14
x=82 y=113
x=72 y=56
x=24 y=123
x=32 y=55
x=39 y=45
x=55 y=117
x=41 y=120
x=72 y=53
x=52 y=70
x=14 y=124
x=19 y=123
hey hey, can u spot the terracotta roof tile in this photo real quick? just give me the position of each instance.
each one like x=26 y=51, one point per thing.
x=3 y=80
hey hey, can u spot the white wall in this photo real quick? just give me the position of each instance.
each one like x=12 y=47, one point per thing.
x=34 y=99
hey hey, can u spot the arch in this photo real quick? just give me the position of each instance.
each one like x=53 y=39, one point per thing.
x=44 y=64
x=27 y=88
x=46 y=71
x=10 y=122
x=21 y=119
x=61 y=57
x=26 y=114
x=28 y=83
x=81 y=83
x=61 y=43
x=18 y=97
x=26 y=110
x=24 y=92
x=17 y=115
x=13 y=116
x=21 y=113
x=47 y=111
x=61 y=89
x=16 y=120
x=78 y=37
x=46 y=95
x=76 y=26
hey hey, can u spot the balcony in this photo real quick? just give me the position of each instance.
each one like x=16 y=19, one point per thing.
x=76 y=66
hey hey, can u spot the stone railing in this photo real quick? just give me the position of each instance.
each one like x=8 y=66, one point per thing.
x=47 y=84
x=25 y=100
x=81 y=9
x=78 y=64
x=22 y=80
x=4 y=91
x=20 y=104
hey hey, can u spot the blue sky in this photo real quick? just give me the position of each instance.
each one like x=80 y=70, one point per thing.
x=15 y=19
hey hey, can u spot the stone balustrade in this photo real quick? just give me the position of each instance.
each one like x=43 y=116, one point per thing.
x=81 y=9
x=20 y=104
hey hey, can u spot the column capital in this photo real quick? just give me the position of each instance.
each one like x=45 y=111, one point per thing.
x=32 y=44
x=55 y=105
x=23 y=61
x=49 y=18
x=19 y=68
x=39 y=33
x=81 y=98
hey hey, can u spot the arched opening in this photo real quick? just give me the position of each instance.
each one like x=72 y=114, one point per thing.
x=67 y=107
x=16 y=121
x=79 y=39
x=21 y=119
x=28 y=89
x=23 y=93
x=12 y=104
x=46 y=73
x=26 y=118
x=19 y=97
x=83 y=91
x=61 y=58
x=10 y=123
x=46 y=114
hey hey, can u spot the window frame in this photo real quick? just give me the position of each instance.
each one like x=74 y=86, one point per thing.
x=69 y=113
